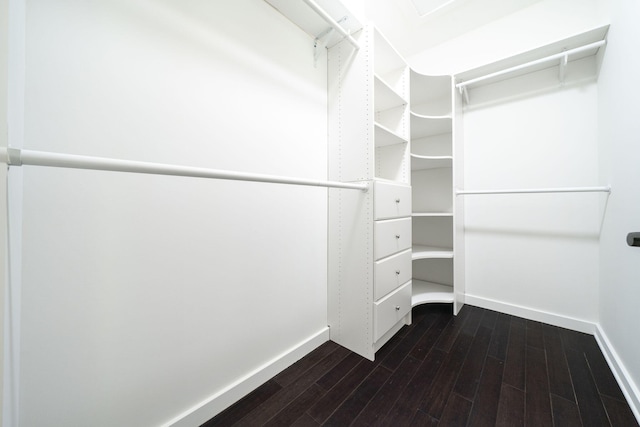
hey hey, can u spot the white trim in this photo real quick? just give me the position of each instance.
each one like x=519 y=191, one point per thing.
x=16 y=77
x=221 y=400
x=629 y=387
x=532 y=314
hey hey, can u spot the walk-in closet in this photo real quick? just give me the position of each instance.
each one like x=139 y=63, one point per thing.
x=210 y=206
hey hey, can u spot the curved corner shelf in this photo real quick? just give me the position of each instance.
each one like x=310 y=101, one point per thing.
x=430 y=252
x=430 y=94
x=430 y=162
x=429 y=292
x=426 y=126
x=385 y=136
x=432 y=214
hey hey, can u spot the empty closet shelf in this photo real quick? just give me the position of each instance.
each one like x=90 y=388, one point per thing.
x=430 y=252
x=419 y=162
x=385 y=136
x=429 y=292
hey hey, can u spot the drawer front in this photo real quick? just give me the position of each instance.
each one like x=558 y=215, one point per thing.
x=391 y=236
x=391 y=309
x=391 y=200
x=392 y=272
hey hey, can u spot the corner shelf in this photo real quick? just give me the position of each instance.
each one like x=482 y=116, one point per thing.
x=430 y=252
x=430 y=162
x=427 y=126
x=432 y=165
x=429 y=292
x=432 y=214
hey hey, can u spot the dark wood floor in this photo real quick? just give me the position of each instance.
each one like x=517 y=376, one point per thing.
x=480 y=368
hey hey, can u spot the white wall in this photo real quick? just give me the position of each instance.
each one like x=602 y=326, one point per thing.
x=619 y=139
x=143 y=296
x=538 y=252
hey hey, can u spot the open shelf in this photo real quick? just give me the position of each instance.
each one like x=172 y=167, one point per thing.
x=432 y=214
x=389 y=66
x=430 y=162
x=430 y=252
x=386 y=97
x=426 y=126
x=429 y=292
x=385 y=136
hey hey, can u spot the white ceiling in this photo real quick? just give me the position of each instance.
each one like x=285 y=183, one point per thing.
x=410 y=33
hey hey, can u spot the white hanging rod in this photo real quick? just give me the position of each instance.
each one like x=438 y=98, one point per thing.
x=604 y=189
x=560 y=55
x=19 y=157
x=334 y=24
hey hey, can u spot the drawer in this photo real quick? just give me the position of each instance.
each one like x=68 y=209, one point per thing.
x=391 y=200
x=391 y=272
x=391 y=309
x=391 y=236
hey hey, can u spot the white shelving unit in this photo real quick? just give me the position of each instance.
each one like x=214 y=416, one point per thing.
x=432 y=177
x=369 y=296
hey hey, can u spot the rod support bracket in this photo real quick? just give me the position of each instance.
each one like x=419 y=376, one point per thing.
x=563 y=68
x=464 y=93
x=11 y=156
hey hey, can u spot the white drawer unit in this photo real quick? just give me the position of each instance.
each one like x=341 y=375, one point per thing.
x=391 y=200
x=390 y=310
x=391 y=236
x=392 y=272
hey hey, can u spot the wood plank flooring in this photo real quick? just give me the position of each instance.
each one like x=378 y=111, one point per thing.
x=480 y=368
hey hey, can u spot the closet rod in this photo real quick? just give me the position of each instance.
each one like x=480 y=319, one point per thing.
x=334 y=24
x=560 y=55
x=19 y=157
x=606 y=189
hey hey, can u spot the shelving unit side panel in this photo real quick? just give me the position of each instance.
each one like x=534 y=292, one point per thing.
x=350 y=110
x=458 y=207
x=350 y=275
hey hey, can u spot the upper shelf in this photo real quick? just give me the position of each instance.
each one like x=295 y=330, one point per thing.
x=557 y=54
x=385 y=96
x=311 y=16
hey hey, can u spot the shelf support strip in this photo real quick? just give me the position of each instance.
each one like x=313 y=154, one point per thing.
x=19 y=157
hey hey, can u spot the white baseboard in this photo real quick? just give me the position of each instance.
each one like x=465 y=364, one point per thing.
x=217 y=403
x=532 y=314
x=629 y=387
